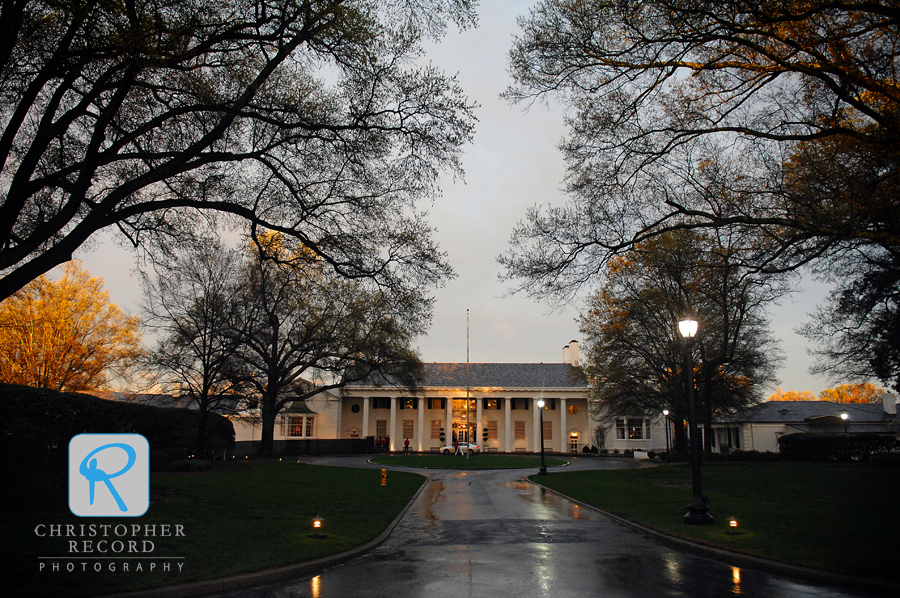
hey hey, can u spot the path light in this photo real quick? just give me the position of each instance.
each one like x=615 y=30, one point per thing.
x=698 y=512
x=845 y=416
x=318 y=524
x=543 y=468
x=732 y=526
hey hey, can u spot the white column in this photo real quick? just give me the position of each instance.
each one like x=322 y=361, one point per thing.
x=507 y=425
x=392 y=426
x=536 y=447
x=420 y=429
x=479 y=421
x=563 y=434
x=448 y=425
x=365 y=426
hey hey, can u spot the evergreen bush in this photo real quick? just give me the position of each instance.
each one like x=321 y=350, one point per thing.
x=36 y=425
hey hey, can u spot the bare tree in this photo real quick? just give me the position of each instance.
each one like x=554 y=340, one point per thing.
x=304 y=330
x=776 y=121
x=634 y=358
x=192 y=301
x=305 y=117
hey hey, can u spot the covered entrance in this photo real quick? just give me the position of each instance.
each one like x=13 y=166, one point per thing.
x=464 y=420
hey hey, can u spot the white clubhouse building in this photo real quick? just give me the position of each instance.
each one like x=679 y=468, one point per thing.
x=498 y=400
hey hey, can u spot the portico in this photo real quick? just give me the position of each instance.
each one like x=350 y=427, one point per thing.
x=500 y=413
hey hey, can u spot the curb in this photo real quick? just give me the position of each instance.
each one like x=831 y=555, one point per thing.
x=235 y=582
x=741 y=559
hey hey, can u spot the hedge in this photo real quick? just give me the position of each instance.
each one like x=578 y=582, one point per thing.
x=36 y=425
x=837 y=447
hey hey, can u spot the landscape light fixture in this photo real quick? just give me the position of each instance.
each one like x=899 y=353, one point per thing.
x=732 y=526
x=317 y=523
x=543 y=469
x=698 y=512
x=845 y=416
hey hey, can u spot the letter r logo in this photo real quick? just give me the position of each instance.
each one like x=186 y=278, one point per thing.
x=109 y=475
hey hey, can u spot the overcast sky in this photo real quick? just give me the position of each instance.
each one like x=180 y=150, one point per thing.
x=512 y=164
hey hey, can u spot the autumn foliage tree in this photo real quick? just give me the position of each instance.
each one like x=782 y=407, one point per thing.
x=65 y=334
x=864 y=392
x=792 y=395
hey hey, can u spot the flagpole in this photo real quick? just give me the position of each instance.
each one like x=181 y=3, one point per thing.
x=468 y=415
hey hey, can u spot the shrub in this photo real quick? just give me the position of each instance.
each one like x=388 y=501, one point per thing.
x=36 y=425
x=837 y=447
x=651 y=454
x=767 y=456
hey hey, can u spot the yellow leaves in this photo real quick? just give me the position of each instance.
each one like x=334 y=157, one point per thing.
x=272 y=245
x=852 y=393
x=793 y=395
x=64 y=335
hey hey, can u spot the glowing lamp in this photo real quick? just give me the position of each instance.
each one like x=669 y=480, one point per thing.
x=688 y=327
x=733 y=526
x=317 y=523
x=540 y=403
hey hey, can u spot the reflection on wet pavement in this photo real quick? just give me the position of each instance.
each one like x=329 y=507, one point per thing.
x=491 y=534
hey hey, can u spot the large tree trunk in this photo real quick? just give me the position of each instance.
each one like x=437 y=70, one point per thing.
x=267 y=437
x=679 y=438
x=203 y=415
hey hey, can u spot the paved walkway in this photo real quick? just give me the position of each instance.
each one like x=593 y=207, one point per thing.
x=491 y=534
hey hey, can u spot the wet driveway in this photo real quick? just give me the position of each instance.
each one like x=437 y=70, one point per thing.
x=491 y=534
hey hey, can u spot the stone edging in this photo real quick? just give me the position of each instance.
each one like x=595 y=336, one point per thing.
x=211 y=586
x=742 y=559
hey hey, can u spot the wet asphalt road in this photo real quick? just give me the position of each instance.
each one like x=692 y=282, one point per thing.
x=491 y=534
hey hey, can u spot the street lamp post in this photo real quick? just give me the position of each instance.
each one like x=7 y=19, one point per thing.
x=668 y=454
x=845 y=416
x=543 y=468
x=698 y=512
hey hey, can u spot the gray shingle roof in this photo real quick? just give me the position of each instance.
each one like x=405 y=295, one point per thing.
x=501 y=375
x=790 y=412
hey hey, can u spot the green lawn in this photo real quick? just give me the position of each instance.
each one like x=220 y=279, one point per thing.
x=461 y=462
x=246 y=517
x=838 y=517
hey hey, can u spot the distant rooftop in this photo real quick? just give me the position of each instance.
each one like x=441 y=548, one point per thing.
x=810 y=414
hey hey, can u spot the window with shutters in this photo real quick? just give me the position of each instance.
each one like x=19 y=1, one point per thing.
x=435 y=429
x=520 y=430
x=491 y=426
x=407 y=428
x=381 y=427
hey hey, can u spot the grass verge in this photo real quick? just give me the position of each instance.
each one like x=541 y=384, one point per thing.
x=243 y=518
x=836 y=517
x=460 y=461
